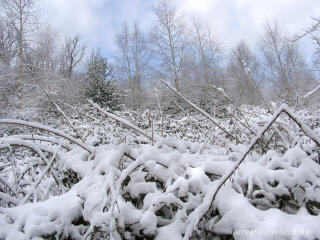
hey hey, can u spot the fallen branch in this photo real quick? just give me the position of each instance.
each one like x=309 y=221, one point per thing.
x=41 y=138
x=250 y=147
x=194 y=123
x=56 y=105
x=221 y=91
x=201 y=111
x=19 y=142
x=125 y=122
x=311 y=92
x=49 y=129
x=305 y=129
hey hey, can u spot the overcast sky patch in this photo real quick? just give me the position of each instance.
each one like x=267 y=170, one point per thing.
x=97 y=21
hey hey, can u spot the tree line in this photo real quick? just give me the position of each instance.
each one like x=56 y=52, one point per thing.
x=34 y=63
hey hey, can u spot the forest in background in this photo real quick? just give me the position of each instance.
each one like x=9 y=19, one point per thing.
x=36 y=64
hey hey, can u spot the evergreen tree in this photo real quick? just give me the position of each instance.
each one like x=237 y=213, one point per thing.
x=100 y=81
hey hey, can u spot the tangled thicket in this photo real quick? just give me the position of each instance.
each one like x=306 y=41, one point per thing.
x=176 y=177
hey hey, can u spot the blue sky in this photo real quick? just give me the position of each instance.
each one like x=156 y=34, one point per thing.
x=97 y=21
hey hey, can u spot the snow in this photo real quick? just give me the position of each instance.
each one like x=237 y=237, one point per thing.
x=166 y=190
x=252 y=223
x=149 y=222
x=42 y=218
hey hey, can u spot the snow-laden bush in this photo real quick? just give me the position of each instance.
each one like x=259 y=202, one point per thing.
x=162 y=188
x=164 y=191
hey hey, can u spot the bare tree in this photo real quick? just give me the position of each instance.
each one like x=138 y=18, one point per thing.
x=201 y=66
x=243 y=87
x=313 y=85
x=45 y=52
x=315 y=35
x=7 y=55
x=273 y=47
x=167 y=38
x=133 y=60
x=21 y=16
x=41 y=66
x=73 y=53
x=283 y=62
x=314 y=32
x=208 y=51
x=7 y=43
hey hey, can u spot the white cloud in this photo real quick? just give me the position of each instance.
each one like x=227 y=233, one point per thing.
x=75 y=16
x=234 y=20
x=98 y=20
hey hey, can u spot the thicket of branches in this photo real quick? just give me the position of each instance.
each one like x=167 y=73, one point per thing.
x=183 y=177
x=187 y=54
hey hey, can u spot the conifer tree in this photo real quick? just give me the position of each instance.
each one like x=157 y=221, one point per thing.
x=100 y=83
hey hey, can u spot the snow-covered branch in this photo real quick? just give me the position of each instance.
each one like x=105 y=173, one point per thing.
x=41 y=138
x=123 y=121
x=49 y=129
x=201 y=111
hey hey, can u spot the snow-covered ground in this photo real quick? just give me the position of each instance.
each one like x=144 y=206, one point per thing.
x=164 y=177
